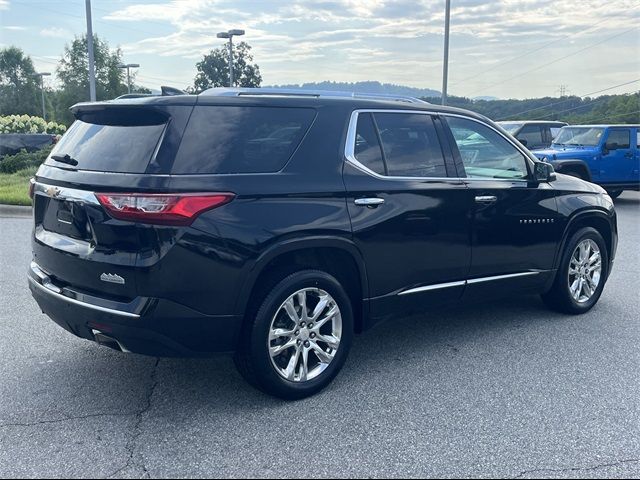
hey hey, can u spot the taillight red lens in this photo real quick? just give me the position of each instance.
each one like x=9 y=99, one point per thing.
x=179 y=209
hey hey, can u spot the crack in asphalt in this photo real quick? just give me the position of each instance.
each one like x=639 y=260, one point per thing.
x=577 y=469
x=137 y=431
x=67 y=419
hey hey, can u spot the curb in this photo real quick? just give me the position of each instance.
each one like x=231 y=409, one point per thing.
x=15 y=211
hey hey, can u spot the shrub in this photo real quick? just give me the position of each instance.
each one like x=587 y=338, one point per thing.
x=23 y=160
x=29 y=124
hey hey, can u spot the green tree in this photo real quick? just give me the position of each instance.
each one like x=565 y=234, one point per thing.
x=19 y=89
x=213 y=70
x=73 y=74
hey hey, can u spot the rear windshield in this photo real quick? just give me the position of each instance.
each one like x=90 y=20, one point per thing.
x=108 y=148
x=222 y=139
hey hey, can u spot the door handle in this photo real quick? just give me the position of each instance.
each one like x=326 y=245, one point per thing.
x=369 y=202
x=486 y=199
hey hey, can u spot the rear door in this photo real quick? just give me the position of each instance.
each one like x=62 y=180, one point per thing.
x=408 y=214
x=515 y=225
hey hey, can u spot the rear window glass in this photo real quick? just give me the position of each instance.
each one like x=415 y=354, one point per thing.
x=221 y=139
x=109 y=148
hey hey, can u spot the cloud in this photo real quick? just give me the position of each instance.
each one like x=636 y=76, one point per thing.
x=4 y=4
x=386 y=40
x=54 y=32
x=14 y=28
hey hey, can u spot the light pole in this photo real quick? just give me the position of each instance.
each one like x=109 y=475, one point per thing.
x=445 y=67
x=230 y=34
x=129 y=66
x=92 y=63
x=41 y=75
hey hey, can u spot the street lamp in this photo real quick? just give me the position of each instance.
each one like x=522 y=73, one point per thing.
x=41 y=75
x=230 y=34
x=445 y=65
x=128 y=66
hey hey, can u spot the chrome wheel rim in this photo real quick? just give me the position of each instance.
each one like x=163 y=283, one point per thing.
x=585 y=269
x=304 y=335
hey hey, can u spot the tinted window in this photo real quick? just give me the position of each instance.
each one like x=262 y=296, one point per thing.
x=410 y=145
x=109 y=148
x=367 y=149
x=222 y=139
x=485 y=153
x=532 y=134
x=621 y=137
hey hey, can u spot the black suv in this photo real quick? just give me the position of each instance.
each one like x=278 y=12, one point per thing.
x=277 y=224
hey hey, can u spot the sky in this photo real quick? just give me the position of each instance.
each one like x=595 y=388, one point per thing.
x=501 y=48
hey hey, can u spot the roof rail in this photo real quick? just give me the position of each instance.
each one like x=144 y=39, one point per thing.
x=293 y=92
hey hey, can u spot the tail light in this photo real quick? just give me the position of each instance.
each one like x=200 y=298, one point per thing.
x=177 y=209
x=32 y=186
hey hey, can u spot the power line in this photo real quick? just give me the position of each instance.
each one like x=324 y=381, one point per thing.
x=556 y=60
x=569 y=99
x=579 y=106
x=619 y=115
x=529 y=52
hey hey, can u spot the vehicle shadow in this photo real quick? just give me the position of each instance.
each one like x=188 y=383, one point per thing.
x=93 y=380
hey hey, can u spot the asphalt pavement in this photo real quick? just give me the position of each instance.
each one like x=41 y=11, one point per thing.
x=505 y=390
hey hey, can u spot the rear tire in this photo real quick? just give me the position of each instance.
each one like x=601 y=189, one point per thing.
x=582 y=274
x=282 y=351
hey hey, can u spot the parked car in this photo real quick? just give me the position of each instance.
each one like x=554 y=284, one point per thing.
x=608 y=155
x=533 y=134
x=157 y=230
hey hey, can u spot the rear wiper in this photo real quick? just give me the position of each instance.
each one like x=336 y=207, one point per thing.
x=65 y=159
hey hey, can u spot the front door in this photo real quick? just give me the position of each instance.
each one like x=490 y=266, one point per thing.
x=618 y=161
x=409 y=218
x=515 y=222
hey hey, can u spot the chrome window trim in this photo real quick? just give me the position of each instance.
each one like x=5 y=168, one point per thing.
x=78 y=302
x=350 y=146
x=470 y=281
x=65 y=193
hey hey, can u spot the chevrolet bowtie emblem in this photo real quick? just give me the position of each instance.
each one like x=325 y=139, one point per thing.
x=112 y=278
x=52 y=191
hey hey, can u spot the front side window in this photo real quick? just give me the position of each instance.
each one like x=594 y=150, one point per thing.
x=619 y=137
x=485 y=153
x=532 y=134
x=410 y=145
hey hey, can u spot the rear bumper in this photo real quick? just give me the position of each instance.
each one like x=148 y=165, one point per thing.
x=149 y=326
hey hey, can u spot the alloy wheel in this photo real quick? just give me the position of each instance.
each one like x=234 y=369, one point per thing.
x=304 y=335
x=585 y=270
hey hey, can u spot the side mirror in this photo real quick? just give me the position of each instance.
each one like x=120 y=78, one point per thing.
x=544 y=172
x=522 y=141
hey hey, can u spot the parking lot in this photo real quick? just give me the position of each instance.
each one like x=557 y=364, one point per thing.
x=504 y=390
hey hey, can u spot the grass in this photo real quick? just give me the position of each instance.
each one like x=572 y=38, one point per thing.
x=14 y=187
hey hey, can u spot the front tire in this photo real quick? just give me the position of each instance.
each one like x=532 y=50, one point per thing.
x=582 y=274
x=614 y=193
x=299 y=338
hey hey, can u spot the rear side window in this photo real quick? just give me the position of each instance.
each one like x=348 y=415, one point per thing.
x=367 y=149
x=410 y=145
x=222 y=139
x=109 y=148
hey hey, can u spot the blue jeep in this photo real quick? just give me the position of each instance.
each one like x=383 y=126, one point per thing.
x=608 y=155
